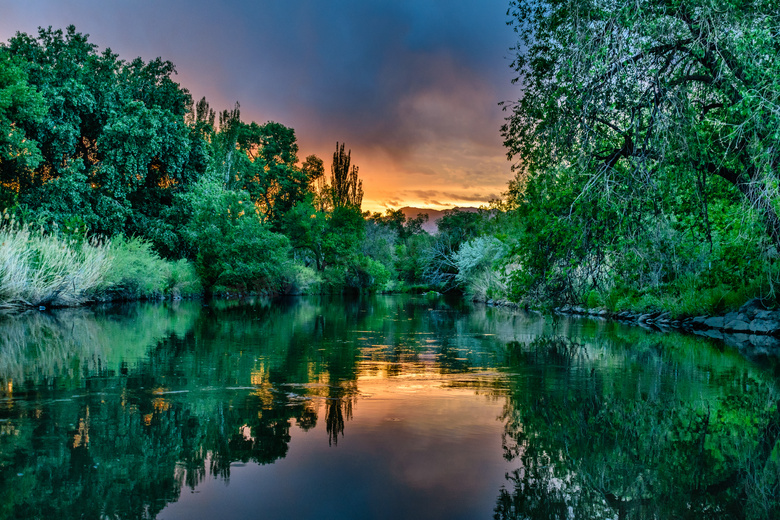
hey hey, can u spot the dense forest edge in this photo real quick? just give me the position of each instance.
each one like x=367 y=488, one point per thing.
x=644 y=146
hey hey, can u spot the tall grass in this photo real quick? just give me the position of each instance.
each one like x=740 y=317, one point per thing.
x=39 y=269
x=42 y=269
x=136 y=272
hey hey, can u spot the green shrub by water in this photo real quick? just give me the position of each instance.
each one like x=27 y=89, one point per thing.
x=46 y=269
x=38 y=269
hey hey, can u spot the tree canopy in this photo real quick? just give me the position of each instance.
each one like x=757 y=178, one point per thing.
x=640 y=121
x=105 y=140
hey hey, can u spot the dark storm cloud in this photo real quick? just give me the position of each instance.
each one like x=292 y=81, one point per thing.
x=391 y=78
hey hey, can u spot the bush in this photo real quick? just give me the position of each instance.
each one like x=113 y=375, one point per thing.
x=184 y=281
x=234 y=248
x=45 y=269
x=39 y=269
x=303 y=280
x=478 y=274
x=136 y=271
x=367 y=274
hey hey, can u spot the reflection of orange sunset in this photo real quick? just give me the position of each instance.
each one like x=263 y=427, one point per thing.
x=434 y=429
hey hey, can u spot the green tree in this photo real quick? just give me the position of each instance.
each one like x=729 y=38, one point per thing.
x=639 y=119
x=346 y=188
x=234 y=248
x=307 y=227
x=455 y=228
x=263 y=161
x=19 y=101
x=114 y=145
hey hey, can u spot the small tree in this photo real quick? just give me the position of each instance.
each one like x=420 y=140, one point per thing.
x=346 y=189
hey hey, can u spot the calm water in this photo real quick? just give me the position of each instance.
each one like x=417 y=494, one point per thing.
x=380 y=407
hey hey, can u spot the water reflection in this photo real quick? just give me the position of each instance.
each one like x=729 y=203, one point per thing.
x=649 y=445
x=120 y=412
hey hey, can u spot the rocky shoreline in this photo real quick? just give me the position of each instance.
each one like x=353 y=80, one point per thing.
x=754 y=329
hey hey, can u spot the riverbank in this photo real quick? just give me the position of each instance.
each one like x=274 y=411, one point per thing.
x=45 y=270
x=753 y=329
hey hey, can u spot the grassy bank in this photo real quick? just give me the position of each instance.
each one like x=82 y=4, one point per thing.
x=47 y=269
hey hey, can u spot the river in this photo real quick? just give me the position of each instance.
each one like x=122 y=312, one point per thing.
x=379 y=407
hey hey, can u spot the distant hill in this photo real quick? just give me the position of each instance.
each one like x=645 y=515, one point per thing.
x=433 y=215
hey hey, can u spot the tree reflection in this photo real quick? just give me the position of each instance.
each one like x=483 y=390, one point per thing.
x=338 y=409
x=588 y=448
x=101 y=419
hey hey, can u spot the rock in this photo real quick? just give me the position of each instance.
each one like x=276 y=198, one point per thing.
x=764 y=315
x=603 y=312
x=699 y=320
x=751 y=307
x=740 y=338
x=712 y=333
x=767 y=342
x=731 y=316
x=714 y=323
x=644 y=318
x=737 y=325
x=764 y=326
x=578 y=310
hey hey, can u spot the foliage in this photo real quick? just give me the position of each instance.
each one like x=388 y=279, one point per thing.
x=54 y=270
x=644 y=132
x=477 y=263
x=411 y=256
x=455 y=228
x=19 y=101
x=136 y=271
x=345 y=187
x=304 y=280
x=37 y=269
x=235 y=249
x=379 y=244
x=111 y=146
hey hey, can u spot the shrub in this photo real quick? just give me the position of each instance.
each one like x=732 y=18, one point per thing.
x=45 y=269
x=136 y=271
x=234 y=249
x=477 y=261
x=184 y=281
x=368 y=274
x=303 y=280
x=40 y=269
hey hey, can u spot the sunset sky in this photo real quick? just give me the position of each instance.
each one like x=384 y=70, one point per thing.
x=411 y=86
